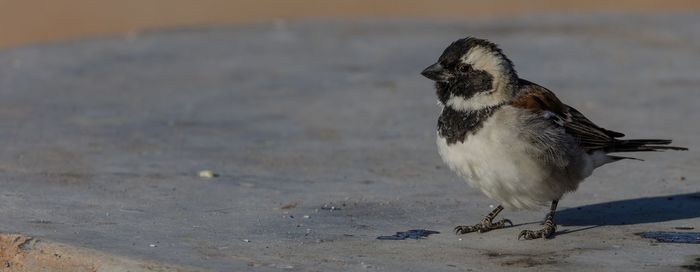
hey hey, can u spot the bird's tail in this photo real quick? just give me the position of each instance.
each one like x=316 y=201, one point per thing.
x=639 y=145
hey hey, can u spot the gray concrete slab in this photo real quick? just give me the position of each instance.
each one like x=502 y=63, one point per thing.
x=103 y=140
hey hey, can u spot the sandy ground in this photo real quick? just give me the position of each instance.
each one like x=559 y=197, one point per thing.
x=323 y=136
x=23 y=21
x=22 y=253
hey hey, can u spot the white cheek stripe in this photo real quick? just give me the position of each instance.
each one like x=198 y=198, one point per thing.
x=482 y=59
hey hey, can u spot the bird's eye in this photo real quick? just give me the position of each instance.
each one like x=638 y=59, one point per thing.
x=464 y=68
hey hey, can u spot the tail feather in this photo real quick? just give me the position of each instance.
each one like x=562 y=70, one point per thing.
x=639 y=145
x=646 y=141
x=617 y=158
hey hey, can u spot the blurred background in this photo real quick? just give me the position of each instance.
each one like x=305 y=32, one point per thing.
x=316 y=133
x=23 y=22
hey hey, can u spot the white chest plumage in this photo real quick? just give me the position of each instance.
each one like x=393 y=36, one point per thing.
x=505 y=166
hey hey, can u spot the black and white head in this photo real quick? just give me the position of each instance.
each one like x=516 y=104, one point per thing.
x=473 y=74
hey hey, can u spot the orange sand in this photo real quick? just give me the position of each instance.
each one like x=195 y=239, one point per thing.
x=28 y=21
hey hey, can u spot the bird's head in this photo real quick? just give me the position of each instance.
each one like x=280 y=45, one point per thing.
x=472 y=74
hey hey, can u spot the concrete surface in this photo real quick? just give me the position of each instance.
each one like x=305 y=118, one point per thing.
x=323 y=136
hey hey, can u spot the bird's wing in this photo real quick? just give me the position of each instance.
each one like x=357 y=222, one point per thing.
x=539 y=100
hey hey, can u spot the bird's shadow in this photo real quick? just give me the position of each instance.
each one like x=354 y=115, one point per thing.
x=633 y=211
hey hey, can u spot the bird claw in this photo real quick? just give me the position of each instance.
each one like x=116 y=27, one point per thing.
x=529 y=235
x=484 y=226
x=465 y=229
x=544 y=233
x=504 y=221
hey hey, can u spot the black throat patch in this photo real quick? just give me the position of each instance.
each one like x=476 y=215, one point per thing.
x=465 y=86
x=455 y=126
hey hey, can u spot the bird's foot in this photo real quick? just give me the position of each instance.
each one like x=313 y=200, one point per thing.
x=485 y=225
x=546 y=232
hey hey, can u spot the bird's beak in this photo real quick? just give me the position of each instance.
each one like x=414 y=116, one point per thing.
x=435 y=72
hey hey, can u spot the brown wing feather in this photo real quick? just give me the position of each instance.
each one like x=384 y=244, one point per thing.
x=590 y=136
x=540 y=100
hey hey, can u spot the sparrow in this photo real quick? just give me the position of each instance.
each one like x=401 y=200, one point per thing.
x=514 y=139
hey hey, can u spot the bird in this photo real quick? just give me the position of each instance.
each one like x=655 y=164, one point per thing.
x=514 y=139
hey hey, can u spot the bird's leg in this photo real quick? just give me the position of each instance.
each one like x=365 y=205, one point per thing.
x=547 y=230
x=486 y=224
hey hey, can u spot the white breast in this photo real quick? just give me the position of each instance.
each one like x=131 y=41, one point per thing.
x=504 y=166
